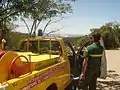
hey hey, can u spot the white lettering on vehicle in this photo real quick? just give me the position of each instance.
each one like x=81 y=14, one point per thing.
x=40 y=78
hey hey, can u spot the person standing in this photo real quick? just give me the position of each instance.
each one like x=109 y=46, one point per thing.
x=92 y=63
x=2 y=44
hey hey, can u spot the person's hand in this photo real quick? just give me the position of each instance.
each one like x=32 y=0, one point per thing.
x=81 y=81
x=82 y=76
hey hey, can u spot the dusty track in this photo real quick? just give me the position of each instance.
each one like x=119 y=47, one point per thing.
x=112 y=82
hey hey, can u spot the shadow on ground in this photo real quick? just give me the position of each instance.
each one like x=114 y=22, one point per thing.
x=111 y=83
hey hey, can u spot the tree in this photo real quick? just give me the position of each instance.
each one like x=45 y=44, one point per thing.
x=4 y=14
x=36 y=10
x=10 y=9
x=13 y=43
x=111 y=33
x=46 y=10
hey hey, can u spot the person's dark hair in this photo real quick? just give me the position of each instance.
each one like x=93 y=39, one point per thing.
x=96 y=37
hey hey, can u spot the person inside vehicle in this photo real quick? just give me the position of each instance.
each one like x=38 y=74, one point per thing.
x=92 y=63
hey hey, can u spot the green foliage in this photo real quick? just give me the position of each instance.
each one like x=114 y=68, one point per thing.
x=77 y=41
x=110 y=33
x=36 y=10
x=14 y=40
x=81 y=41
x=45 y=10
x=73 y=40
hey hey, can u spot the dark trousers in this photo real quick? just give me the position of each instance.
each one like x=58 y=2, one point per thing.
x=90 y=81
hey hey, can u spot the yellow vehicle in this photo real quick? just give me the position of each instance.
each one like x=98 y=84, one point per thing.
x=40 y=64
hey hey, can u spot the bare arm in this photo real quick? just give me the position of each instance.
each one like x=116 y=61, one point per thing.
x=84 y=66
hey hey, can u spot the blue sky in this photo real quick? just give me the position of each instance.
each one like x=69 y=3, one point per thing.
x=87 y=14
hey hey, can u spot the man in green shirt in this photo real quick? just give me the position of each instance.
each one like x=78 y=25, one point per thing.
x=92 y=63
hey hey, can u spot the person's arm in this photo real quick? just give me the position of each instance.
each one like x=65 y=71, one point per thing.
x=84 y=65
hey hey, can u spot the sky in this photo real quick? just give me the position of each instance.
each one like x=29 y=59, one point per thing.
x=87 y=14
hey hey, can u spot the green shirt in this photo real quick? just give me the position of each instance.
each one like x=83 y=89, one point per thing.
x=93 y=54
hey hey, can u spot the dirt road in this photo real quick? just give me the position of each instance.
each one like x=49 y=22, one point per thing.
x=112 y=82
